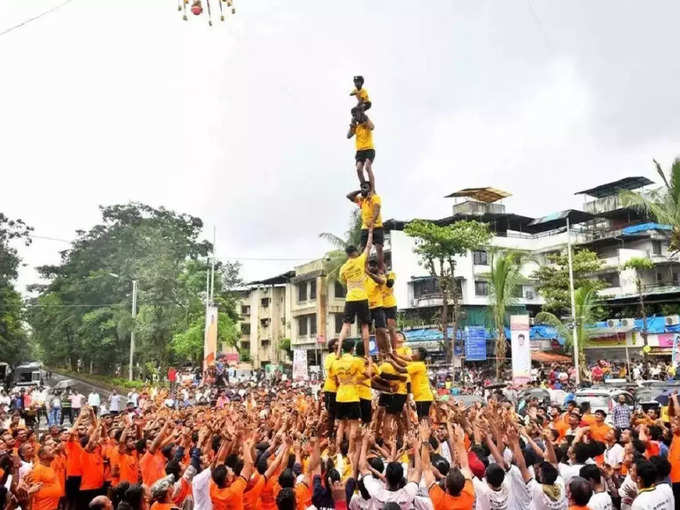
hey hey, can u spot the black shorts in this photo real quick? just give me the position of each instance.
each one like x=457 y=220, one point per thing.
x=378 y=317
x=423 y=408
x=366 y=410
x=72 y=487
x=378 y=236
x=396 y=405
x=384 y=400
x=347 y=411
x=366 y=154
x=390 y=313
x=329 y=400
x=358 y=309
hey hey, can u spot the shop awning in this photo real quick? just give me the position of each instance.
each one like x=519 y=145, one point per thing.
x=549 y=357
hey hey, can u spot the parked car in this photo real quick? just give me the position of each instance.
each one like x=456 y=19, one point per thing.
x=603 y=399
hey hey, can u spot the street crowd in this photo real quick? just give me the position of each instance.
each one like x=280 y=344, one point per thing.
x=376 y=436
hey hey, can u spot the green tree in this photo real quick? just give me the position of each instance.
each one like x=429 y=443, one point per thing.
x=639 y=264
x=663 y=203
x=14 y=344
x=437 y=246
x=553 y=279
x=504 y=279
x=83 y=313
x=586 y=310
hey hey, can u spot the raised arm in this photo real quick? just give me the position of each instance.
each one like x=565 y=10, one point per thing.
x=352 y=129
x=369 y=123
x=369 y=242
x=517 y=454
x=352 y=196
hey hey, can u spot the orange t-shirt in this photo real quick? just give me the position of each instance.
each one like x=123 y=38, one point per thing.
x=303 y=495
x=111 y=453
x=599 y=432
x=444 y=501
x=251 y=496
x=93 y=470
x=184 y=492
x=128 y=465
x=47 y=498
x=588 y=419
x=74 y=453
x=161 y=506
x=269 y=493
x=229 y=497
x=561 y=427
x=59 y=466
x=153 y=467
x=652 y=449
x=674 y=458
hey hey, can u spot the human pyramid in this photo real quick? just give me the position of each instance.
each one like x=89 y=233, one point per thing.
x=350 y=372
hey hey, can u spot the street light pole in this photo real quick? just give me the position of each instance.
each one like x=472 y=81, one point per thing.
x=132 y=332
x=573 y=305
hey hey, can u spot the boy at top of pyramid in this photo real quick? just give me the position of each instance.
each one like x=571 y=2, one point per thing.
x=361 y=93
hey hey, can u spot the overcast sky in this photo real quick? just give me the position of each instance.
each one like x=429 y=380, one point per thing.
x=243 y=124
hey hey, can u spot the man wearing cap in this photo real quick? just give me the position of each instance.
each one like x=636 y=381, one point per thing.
x=599 y=429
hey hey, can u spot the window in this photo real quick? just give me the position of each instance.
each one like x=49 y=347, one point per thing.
x=312 y=289
x=264 y=322
x=340 y=291
x=480 y=258
x=245 y=328
x=338 y=322
x=659 y=277
x=676 y=278
x=265 y=342
x=656 y=247
x=611 y=279
x=481 y=288
x=312 y=324
x=245 y=310
x=425 y=287
x=302 y=325
x=302 y=291
x=264 y=302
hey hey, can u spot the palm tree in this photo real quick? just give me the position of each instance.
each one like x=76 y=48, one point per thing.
x=504 y=279
x=663 y=204
x=334 y=259
x=585 y=303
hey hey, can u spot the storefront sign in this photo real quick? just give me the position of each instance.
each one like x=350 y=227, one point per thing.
x=475 y=343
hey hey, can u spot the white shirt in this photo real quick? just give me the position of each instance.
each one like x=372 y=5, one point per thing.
x=664 y=487
x=380 y=495
x=200 y=486
x=627 y=485
x=614 y=456
x=569 y=471
x=600 y=501
x=93 y=400
x=520 y=498
x=487 y=499
x=541 y=501
x=652 y=499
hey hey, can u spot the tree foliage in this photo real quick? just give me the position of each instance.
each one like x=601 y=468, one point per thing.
x=14 y=345
x=663 y=203
x=553 y=279
x=84 y=312
x=334 y=259
x=438 y=246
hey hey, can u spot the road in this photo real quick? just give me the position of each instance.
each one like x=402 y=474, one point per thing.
x=83 y=387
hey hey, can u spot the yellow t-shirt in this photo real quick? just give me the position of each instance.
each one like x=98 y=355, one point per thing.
x=374 y=292
x=397 y=386
x=420 y=383
x=405 y=351
x=353 y=272
x=346 y=370
x=363 y=137
x=364 y=382
x=330 y=384
x=389 y=301
x=366 y=205
x=362 y=95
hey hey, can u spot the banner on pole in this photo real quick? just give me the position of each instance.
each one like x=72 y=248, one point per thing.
x=674 y=354
x=521 y=349
x=210 y=339
x=475 y=343
x=300 y=365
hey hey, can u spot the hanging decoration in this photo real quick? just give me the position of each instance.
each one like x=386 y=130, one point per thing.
x=196 y=8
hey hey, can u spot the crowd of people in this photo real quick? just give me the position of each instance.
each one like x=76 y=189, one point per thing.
x=376 y=437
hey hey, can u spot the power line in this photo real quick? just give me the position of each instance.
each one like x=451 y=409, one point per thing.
x=36 y=17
